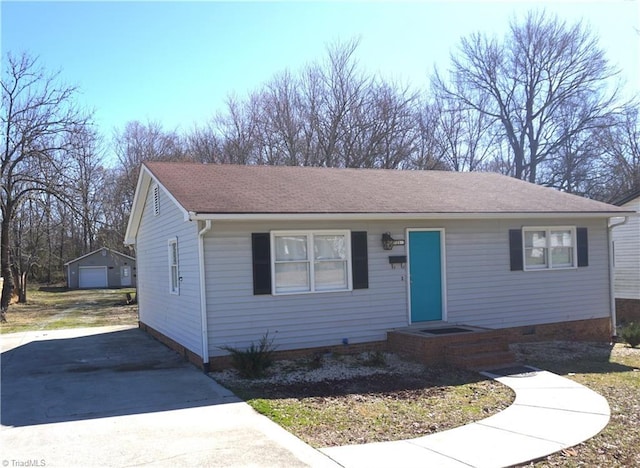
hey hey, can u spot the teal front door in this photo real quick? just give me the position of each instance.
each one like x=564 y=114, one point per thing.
x=425 y=270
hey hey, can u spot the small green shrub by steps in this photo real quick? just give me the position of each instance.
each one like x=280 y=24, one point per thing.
x=631 y=334
x=252 y=362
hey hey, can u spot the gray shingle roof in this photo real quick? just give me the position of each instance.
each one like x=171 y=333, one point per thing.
x=233 y=189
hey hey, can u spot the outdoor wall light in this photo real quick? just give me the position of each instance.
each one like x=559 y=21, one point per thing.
x=388 y=242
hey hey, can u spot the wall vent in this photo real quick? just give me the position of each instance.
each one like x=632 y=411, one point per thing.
x=156 y=200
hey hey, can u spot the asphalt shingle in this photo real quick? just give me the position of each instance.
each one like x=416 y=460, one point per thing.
x=235 y=189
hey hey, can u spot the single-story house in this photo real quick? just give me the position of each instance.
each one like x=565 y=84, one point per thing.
x=102 y=268
x=320 y=257
x=626 y=247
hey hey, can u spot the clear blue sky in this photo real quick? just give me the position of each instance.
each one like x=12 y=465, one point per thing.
x=176 y=62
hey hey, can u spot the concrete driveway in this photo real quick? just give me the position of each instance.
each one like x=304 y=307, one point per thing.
x=116 y=397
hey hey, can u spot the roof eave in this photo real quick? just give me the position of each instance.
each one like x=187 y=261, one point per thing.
x=196 y=216
x=96 y=251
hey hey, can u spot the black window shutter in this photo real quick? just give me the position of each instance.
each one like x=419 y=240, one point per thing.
x=261 y=249
x=515 y=249
x=359 y=260
x=583 y=247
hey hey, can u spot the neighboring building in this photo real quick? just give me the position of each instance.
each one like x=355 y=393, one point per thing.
x=227 y=253
x=102 y=268
x=626 y=245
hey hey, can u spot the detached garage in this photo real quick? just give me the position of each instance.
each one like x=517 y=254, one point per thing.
x=102 y=268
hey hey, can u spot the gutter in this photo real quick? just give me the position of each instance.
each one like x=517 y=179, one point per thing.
x=199 y=216
x=203 y=296
x=612 y=295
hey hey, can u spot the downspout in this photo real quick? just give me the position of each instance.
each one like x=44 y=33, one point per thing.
x=203 y=296
x=612 y=295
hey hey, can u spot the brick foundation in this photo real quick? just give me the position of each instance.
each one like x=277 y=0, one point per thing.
x=433 y=349
x=224 y=362
x=627 y=310
x=165 y=340
x=598 y=329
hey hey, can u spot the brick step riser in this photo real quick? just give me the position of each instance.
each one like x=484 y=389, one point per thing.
x=484 y=360
x=476 y=348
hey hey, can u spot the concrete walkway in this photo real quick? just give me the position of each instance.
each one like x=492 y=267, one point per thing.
x=550 y=413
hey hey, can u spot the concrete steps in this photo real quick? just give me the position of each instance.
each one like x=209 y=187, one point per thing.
x=483 y=353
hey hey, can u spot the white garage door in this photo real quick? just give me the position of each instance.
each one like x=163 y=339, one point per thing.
x=92 y=277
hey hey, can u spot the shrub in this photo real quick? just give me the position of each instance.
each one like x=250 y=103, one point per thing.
x=252 y=362
x=631 y=334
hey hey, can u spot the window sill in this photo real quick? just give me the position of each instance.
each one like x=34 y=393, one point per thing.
x=551 y=269
x=300 y=293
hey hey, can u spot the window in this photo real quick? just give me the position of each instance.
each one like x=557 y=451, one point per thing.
x=174 y=275
x=305 y=261
x=549 y=247
x=156 y=200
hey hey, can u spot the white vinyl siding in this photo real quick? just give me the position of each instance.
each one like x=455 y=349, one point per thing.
x=626 y=240
x=176 y=316
x=481 y=289
x=237 y=317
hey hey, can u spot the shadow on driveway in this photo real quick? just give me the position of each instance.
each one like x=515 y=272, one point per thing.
x=101 y=375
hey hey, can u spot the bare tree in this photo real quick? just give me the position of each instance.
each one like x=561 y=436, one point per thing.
x=280 y=122
x=139 y=142
x=38 y=115
x=86 y=164
x=465 y=138
x=621 y=145
x=343 y=94
x=330 y=114
x=522 y=84
x=203 y=144
x=238 y=130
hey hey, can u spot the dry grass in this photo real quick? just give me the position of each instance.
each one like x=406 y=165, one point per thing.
x=370 y=404
x=55 y=308
x=613 y=372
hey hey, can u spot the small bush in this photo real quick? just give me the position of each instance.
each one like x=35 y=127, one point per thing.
x=252 y=362
x=631 y=334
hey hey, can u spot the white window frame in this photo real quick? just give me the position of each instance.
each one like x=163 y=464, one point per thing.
x=174 y=267
x=549 y=258
x=310 y=234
